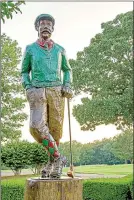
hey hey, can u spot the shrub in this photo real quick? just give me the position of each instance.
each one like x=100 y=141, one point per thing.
x=93 y=189
x=20 y=155
x=12 y=192
x=107 y=189
x=132 y=189
x=13 y=188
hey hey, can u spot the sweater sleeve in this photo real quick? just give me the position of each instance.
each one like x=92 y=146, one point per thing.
x=26 y=68
x=67 y=72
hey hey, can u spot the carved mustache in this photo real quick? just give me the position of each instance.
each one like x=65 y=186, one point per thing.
x=46 y=30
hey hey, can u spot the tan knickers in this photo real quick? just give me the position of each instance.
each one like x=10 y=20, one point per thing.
x=46 y=112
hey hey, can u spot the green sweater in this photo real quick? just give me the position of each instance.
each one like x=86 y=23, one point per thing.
x=43 y=68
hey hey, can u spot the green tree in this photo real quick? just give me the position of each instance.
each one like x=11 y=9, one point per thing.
x=23 y=154
x=7 y=9
x=104 y=70
x=16 y=155
x=123 y=145
x=76 y=148
x=13 y=100
x=99 y=152
x=108 y=157
x=38 y=157
x=103 y=154
x=86 y=154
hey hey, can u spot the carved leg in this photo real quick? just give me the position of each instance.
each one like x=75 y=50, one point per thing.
x=38 y=122
x=55 y=121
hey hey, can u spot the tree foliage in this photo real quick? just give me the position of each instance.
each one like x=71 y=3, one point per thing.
x=76 y=148
x=13 y=100
x=8 y=8
x=22 y=154
x=38 y=157
x=86 y=154
x=123 y=145
x=116 y=150
x=104 y=70
x=16 y=156
x=97 y=152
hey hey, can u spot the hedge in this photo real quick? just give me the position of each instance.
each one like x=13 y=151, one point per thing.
x=132 y=189
x=12 y=192
x=93 y=189
x=107 y=189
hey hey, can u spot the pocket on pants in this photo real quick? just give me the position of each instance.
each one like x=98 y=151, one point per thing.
x=36 y=95
x=30 y=94
x=40 y=95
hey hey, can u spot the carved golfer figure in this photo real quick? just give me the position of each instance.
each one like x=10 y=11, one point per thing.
x=43 y=64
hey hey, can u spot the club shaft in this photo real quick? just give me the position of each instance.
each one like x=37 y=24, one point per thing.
x=70 y=131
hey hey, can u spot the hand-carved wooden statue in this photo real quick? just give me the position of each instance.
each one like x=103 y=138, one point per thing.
x=46 y=76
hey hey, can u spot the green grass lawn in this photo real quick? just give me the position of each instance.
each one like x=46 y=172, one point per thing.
x=124 y=169
x=18 y=180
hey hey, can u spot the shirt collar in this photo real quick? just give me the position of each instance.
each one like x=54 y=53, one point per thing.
x=46 y=44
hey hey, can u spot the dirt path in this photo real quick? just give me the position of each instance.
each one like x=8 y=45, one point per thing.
x=10 y=173
x=84 y=176
x=88 y=176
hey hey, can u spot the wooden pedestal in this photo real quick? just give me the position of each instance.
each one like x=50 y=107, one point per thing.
x=47 y=189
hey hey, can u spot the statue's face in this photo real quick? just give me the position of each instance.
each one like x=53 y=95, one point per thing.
x=45 y=29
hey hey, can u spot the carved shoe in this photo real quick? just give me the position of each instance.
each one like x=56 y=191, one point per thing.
x=58 y=165
x=47 y=170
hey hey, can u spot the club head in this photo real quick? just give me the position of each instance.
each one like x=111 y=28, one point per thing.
x=70 y=174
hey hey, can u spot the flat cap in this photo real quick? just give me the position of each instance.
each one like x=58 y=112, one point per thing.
x=43 y=16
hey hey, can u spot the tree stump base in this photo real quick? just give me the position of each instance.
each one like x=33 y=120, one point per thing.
x=53 y=189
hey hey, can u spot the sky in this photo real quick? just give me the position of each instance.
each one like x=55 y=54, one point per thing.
x=76 y=23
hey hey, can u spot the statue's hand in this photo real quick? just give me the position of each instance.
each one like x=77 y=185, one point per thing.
x=67 y=92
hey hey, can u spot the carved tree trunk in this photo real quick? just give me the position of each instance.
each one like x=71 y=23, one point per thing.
x=47 y=189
